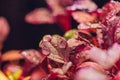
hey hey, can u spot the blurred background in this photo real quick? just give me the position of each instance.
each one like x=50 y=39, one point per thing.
x=24 y=35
